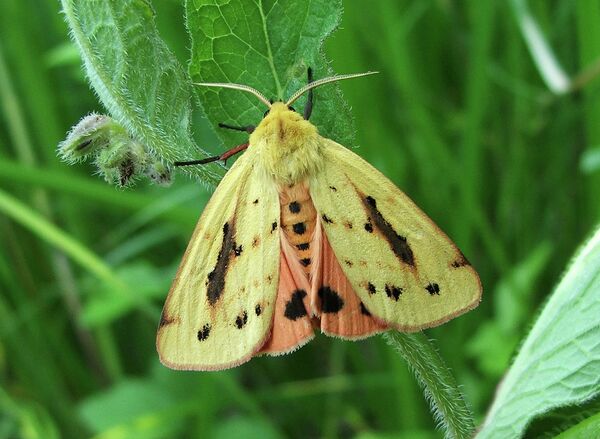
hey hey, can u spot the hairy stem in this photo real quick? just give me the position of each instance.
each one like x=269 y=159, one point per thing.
x=447 y=402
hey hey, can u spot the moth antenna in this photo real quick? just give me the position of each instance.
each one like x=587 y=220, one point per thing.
x=324 y=81
x=241 y=87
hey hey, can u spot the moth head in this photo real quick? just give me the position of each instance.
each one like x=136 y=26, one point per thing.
x=282 y=127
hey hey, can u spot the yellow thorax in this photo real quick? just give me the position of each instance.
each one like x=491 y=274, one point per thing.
x=288 y=145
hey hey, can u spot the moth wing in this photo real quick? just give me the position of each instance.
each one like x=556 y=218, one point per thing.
x=219 y=310
x=342 y=313
x=405 y=270
x=292 y=325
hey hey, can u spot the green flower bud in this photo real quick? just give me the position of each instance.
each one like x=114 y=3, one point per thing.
x=122 y=161
x=158 y=173
x=90 y=135
x=119 y=157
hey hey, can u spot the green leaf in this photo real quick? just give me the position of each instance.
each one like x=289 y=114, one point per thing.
x=547 y=63
x=107 y=305
x=131 y=409
x=558 y=362
x=586 y=429
x=245 y=427
x=268 y=45
x=136 y=77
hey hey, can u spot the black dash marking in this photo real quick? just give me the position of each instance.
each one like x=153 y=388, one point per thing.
x=371 y=288
x=348 y=263
x=294 y=207
x=273 y=226
x=398 y=243
x=331 y=302
x=294 y=308
x=303 y=246
x=241 y=320
x=327 y=219
x=433 y=289
x=204 y=332
x=461 y=261
x=305 y=262
x=255 y=201
x=299 y=228
x=258 y=310
x=216 y=278
x=369 y=226
x=364 y=310
x=393 y=292
x=333 y=188
x=83 y=145
x=238 y=250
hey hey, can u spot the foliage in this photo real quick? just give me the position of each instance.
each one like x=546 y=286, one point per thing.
x=467 y=116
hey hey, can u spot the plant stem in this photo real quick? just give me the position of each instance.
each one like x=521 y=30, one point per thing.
x=447 y=402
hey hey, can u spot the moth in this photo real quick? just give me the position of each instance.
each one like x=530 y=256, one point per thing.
x=301 y=235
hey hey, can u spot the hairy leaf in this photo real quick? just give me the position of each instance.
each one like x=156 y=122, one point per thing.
x=268 y=45
x=136 y=77
x=559 y=361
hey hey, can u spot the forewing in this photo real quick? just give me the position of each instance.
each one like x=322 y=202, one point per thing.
x=405 y=270
x=220 y=306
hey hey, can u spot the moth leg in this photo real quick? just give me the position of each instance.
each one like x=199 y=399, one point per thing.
x=247 y=129
x=224 y=157
x=309 y=101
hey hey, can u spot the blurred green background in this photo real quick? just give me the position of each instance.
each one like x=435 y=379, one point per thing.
x=465 y=116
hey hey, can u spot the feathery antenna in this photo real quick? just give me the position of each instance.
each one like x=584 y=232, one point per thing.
x=324 y=81
x=241 y=87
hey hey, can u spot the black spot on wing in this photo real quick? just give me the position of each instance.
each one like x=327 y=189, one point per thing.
x=294 y=207
x=299 y=228
x=216 y=278
x=258 y=310
x=238 y=250
x=433 y=289
x=294 y=308
x=303 y=246
x=369 y=226
x=327 y=219
x=398 y=243
x=393 y=292
x=331 y=302
x=305 y=262
x=255 y=201
x=371 y=288
x=241 y=320
x=348 y=262
x=273 y=226
x=364 y=310
x=204 y=332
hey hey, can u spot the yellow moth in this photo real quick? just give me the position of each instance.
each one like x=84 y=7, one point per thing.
x=303 y=234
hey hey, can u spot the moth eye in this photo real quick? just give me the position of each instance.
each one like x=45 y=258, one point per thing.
x=266 y=112
x=293 y=109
